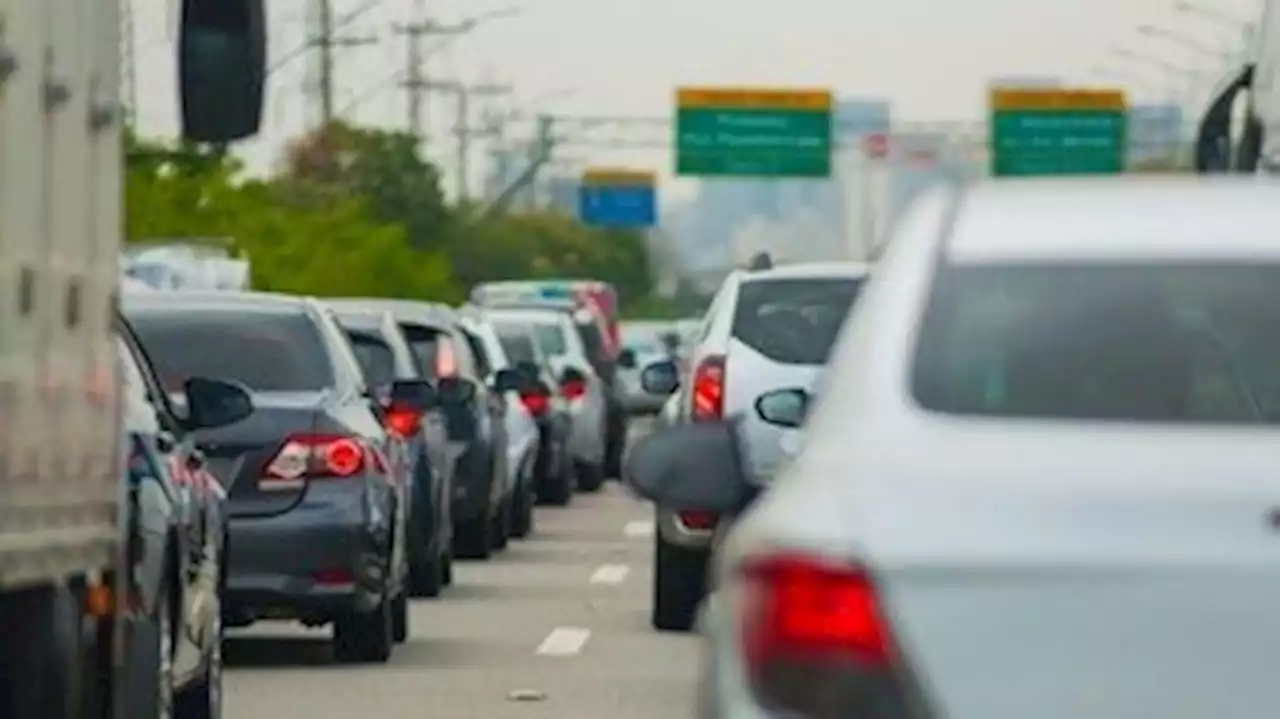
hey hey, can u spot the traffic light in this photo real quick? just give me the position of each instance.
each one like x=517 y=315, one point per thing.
x=222 y=50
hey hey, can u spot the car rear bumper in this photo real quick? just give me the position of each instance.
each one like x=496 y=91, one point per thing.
x=305 y=565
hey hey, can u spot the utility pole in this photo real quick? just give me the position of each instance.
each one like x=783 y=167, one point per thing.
x=464 y=133
x=415 y=79
x=326 y=41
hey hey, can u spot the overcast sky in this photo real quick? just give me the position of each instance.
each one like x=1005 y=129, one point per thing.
x=931 y=58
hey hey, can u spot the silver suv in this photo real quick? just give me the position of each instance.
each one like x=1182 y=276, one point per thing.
x=758 y=353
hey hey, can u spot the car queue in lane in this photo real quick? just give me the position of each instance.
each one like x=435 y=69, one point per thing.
x=366 y=446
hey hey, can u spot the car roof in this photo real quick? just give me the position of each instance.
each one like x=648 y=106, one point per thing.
x=247 y=302
x=528 y=314
x=808 y=270
x=1152 y=218
x=427 y=313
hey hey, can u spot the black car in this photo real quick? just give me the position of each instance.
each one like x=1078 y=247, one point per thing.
x=385 y=358
x=175 y=538
x=317 y=500
x=482 y=497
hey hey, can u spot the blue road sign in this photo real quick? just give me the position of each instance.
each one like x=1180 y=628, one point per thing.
x=629 y=205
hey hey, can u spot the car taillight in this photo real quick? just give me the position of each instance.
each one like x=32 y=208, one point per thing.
x=708 y=389
x=815 y=639
x=697 y=519
x=573 y=390
x=403 y=422
x=537 y=404
x=317 y=456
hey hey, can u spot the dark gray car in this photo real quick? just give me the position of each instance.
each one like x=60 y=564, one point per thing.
x=317 y=498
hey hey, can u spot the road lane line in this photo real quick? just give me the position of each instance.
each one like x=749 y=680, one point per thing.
x=564 y=642
x=610 y=574
x=641 y=528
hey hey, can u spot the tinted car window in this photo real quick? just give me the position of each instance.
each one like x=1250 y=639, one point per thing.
x=516 y=344
x=550 y=339
x=794 y=320
x=1155 y=343
x=377 y=361
x=265 y=351
x=430 y=346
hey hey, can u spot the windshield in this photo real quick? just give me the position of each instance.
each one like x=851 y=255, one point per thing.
x=794 y=320
x=1157 y=343
x=377 y=361
x=267 y=352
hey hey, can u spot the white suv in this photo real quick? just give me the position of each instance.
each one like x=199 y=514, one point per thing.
x=766 y=335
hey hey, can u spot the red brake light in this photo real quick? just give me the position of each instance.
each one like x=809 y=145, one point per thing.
x=573 y=390
x=537 y=404
x=708 y=389
x=316 y=456
x=807 y=612
x=403 y=422
x=697 y=519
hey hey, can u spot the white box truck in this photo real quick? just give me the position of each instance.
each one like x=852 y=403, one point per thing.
x=62 y=548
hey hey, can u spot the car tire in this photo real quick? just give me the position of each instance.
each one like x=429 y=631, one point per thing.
x=590 y=477
x=446 y=567
x=501 y=526
x=400 y=619
x=522 y=511
x=558 y=487
x=679 y=584
x=426 y=577
x=204 y=699
x=473 y=539
x=365 y=637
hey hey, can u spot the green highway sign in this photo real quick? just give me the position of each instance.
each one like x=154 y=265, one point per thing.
x=1055 y=131
x=753 y=132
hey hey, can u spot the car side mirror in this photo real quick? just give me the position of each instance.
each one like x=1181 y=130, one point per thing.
x=414 y=394
x=215 y=403
x=784 y=407
x=455 y=391
x=660 y=378
x=693 y=467
x=222 y=52
x=627 y=359
x=1213 y=146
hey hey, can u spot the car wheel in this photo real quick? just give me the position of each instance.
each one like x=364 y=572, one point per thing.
x=426 y=576
x=522 y=512
x=400 y=618
x=557 y=489
x=679 y=583
x=446 y=567
x=364 y=637
x=204 y=700
x=590 y=477
x=473 y=539
x=501 y=525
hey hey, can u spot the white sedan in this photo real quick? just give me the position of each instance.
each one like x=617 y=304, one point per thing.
x=1042 y=480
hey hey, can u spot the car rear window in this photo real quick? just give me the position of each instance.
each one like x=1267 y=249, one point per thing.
x=267 y=352
x=793 y=320
x=433 y=350
x=377 y=361
x=550 y=339
x=516 y=343
x=1162 y=343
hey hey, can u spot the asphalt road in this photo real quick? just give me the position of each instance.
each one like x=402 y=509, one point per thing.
x=555 y=626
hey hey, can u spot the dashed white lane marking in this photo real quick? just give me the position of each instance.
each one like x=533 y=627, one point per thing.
x=610 y=574
x=641 y=528
x=564 y=642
